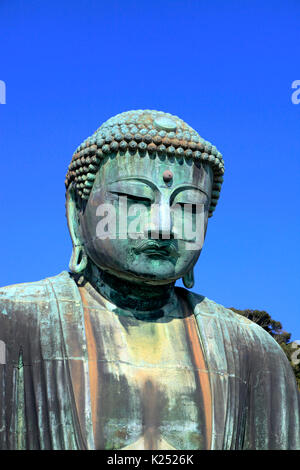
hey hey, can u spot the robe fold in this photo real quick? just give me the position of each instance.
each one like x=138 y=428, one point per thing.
x=45 y=399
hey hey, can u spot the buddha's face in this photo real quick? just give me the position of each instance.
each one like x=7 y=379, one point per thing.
x=146 y=217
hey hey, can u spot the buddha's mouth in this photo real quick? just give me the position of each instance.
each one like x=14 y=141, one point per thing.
x=158 y=248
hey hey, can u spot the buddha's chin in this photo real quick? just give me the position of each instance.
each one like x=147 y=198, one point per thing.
x=149 y=270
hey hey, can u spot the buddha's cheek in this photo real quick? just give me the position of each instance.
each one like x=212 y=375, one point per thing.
x=188 y=256
x=109 y=254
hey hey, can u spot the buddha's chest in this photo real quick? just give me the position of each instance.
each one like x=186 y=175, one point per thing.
x=147 y=391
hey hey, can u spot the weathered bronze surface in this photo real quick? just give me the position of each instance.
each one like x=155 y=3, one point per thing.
x=111 y=355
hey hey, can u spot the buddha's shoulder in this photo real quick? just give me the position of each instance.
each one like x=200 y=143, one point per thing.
x=237 y=325
x=204 y=306
x=31 y=296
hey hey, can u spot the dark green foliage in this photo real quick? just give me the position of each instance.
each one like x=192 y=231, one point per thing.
x=274 y=328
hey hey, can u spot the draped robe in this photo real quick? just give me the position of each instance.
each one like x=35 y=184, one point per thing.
x=45 y=390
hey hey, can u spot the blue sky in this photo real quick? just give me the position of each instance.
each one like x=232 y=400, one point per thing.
x=225 y=67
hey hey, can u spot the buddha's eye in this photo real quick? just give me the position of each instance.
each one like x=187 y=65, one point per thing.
x=186 y=206
x=189 y=199
x=133 y=198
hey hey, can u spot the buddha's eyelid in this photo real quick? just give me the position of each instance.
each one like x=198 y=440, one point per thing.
x=138 y=180
x=187 y=203
x=183 y=189
x=139 y=190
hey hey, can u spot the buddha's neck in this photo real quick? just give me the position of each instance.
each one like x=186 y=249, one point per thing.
x=127 y=294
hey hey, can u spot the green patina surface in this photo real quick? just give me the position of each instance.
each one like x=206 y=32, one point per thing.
x=112 y=355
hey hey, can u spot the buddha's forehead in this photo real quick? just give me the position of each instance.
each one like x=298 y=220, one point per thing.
x=153 y=168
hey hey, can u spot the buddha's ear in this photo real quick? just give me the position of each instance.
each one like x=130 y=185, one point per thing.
x=78 y=261
x=188 y=279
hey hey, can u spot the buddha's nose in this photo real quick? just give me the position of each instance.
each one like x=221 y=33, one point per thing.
x=160 y=226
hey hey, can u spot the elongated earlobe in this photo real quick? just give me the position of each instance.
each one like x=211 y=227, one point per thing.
x=78 y=261
x=188 y=279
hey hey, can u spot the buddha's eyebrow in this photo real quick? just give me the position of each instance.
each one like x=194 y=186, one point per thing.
x=185 y=187
x=139 y=179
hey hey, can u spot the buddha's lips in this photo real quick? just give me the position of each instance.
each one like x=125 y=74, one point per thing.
x=157 y=247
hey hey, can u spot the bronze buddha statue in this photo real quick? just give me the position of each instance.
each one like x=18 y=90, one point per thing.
x=111 y=355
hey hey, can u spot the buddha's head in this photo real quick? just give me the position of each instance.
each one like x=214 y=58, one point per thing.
x=140 y=191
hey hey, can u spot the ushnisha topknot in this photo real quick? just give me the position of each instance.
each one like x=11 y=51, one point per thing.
x=142 y=131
